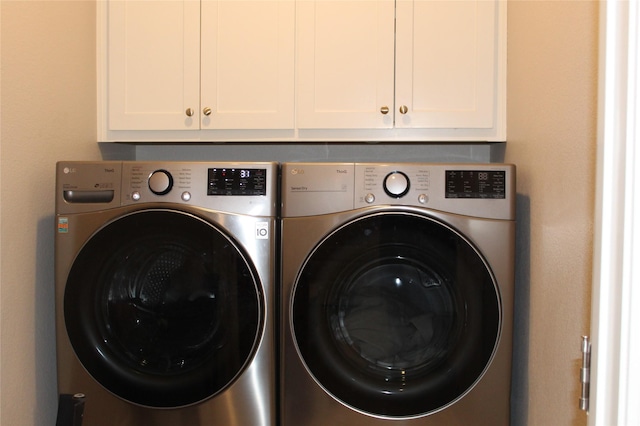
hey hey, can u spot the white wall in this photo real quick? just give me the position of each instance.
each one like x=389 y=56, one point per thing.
x=552 y=83
x=48 y=114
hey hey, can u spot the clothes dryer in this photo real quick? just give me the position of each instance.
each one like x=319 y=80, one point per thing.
x=165 y=291
x=397 y=294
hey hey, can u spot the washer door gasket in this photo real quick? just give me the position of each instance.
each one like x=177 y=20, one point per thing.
x=163 y=309
x=396 y=315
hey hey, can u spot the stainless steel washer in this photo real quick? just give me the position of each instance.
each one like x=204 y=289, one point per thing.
x=165 y=291
x=397 y=294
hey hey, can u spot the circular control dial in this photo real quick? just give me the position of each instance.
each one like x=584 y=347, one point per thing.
x=396 y=184
x=160 y=182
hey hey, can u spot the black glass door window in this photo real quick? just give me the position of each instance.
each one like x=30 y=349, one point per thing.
x=162 y=308
x=396 y=315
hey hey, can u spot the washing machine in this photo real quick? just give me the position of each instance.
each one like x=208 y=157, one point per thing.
x=165 y=291
x=397 y=294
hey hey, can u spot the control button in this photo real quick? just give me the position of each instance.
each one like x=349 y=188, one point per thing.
x=369 y=198
x=160 y=182
x=135 y=196
x=186 y=196
x=396 y=184
x=423 y=198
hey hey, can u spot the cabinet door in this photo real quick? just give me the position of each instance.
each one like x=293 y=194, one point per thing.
x=247 y=64
x=153 y=64
x=446 y=64
x=344 y=63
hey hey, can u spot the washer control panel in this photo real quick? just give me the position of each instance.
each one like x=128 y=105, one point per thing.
x=233 y=187
x=244 y=188
x=148 y=181
x=236 y=181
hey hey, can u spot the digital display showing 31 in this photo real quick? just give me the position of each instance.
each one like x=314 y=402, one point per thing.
x=237 y=182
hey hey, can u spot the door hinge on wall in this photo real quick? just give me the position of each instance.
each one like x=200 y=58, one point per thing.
x=585 y=373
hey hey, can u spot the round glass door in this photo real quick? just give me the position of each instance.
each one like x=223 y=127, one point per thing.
x=162 y=308
x=396 y=315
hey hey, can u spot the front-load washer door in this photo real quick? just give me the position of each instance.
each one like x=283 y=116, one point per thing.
x=162 y=308
x=395 y=315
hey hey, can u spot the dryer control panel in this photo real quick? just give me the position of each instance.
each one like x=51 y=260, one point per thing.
x=475 y=184
x=486 y=190
x=317 y=188
x=480 y=190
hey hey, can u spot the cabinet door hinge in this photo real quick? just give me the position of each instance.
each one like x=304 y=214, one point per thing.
x=585 y=373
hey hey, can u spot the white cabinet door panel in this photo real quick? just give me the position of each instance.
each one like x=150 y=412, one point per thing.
x=446 y=63
x=248 y=64
x=153 y=64
x=344 y=63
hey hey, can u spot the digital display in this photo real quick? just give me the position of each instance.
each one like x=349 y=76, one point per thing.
x=237 y=182
x=475 y=184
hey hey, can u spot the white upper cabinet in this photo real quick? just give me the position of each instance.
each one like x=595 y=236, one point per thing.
x=433 y=72
x=191 y=65
x=302 y=70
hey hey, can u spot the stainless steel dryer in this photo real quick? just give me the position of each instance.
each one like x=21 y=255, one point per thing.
x=397 y=294
x=165 y=291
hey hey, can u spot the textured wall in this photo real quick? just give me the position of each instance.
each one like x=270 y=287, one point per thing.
x=552 y=105
x=48 y=113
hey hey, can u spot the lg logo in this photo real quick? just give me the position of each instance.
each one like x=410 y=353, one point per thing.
x=262 y=230
x=297 y=171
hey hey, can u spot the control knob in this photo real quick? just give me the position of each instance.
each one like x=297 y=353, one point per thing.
x=160 y=182
x=396 y=184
